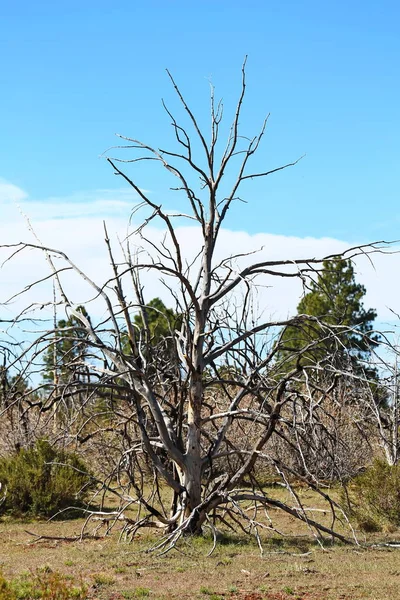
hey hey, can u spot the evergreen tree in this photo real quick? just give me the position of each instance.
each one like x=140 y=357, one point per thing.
x=154 y=327
x=65 y=349
x=336 y=299
x=161 y=321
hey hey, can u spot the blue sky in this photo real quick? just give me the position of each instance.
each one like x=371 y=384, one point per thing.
x=74 y=73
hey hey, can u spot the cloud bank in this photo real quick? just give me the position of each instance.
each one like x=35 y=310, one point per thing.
x=75 y=225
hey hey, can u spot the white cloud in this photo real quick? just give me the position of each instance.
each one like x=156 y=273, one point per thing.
x=75 y=226
x=102 y=202
x=10 y=193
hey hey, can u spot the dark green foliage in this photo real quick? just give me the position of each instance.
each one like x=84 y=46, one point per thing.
x=36 y=487
x=12 y=388
x=161 y=321
x=374 y=497
x=336 y=300
x=155 y=329
x=60 y=361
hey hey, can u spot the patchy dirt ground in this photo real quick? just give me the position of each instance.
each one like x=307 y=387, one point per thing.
x=290 y=569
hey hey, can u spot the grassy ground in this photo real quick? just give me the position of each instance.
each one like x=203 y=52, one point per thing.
x=289 y=569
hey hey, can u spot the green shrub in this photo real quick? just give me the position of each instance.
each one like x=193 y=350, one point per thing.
x=374 y=497
x=103 y=579
x=41 y=585
x=6 y=592
x=37 y=487
x=139 y=592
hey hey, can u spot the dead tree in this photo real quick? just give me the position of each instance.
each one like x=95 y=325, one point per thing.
x=381 y=403
x=196 y=411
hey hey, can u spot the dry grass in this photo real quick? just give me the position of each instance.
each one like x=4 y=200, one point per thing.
x=290 y=568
